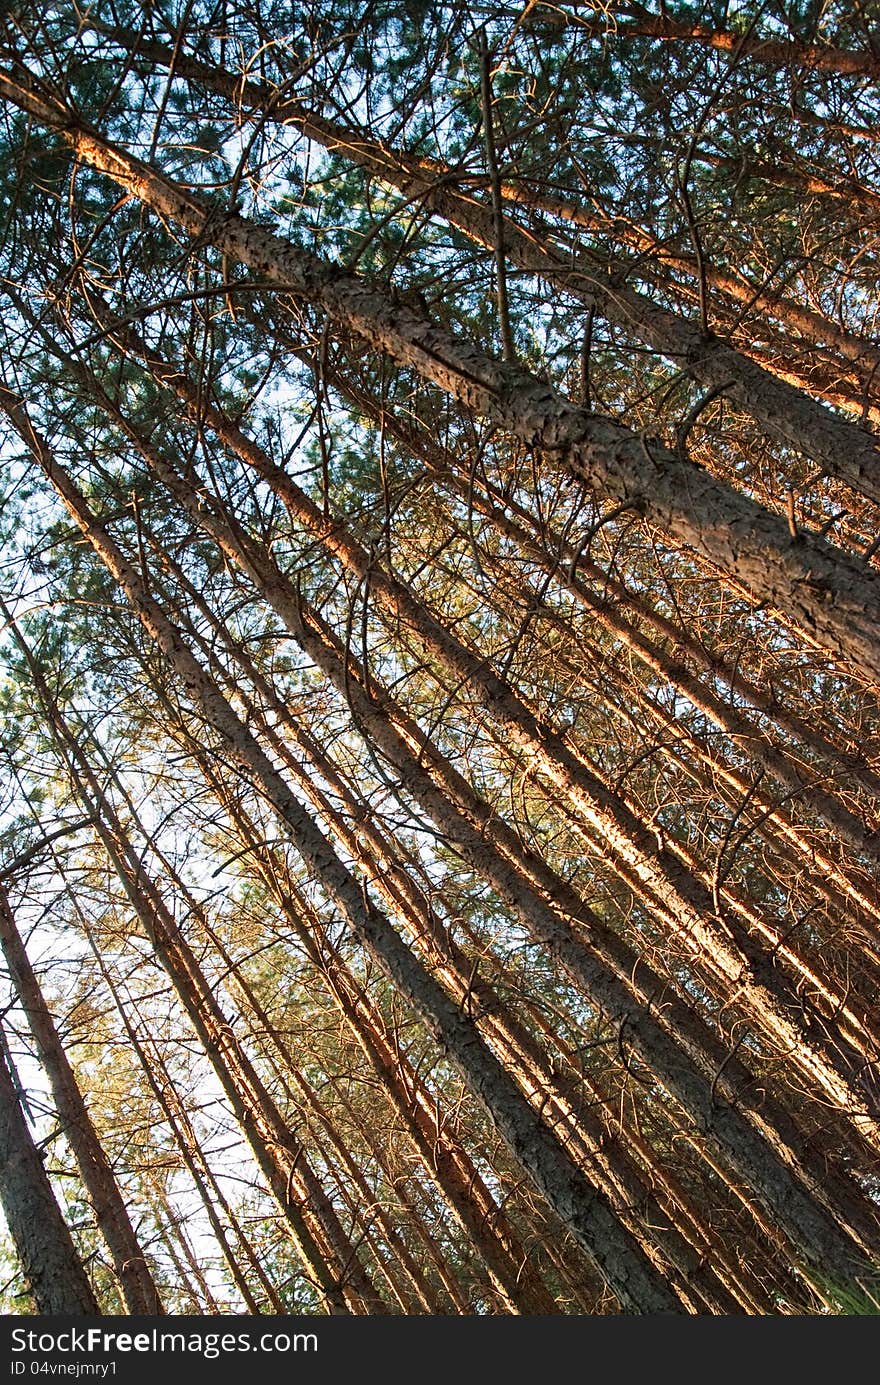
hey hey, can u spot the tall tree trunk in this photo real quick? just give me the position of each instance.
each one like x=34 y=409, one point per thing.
x=186 y=1262
x=131 y=1267
x=428 y=1244
x=160 y=1084
x=52 y=1268
x=420 y=1291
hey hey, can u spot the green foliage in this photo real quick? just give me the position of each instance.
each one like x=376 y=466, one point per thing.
x=853 y=1300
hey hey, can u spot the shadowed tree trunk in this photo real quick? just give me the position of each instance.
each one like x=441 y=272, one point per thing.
x=51 y=1266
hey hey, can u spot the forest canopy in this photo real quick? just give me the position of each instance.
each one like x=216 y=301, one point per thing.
x=440 y=598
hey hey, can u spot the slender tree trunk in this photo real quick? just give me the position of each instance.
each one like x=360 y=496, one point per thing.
x=131 y=1267
x=161 y=1086
x=429 y=1244
x=403 y=1277
x=174 y=1113
x=51 y=1266
x=791 y=54
x=171 y=1241
x=176 y=1236
x=623 y=21
x=420 y=1291
x=801 y=179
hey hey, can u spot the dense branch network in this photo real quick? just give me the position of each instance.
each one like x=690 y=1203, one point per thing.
x=441 y=598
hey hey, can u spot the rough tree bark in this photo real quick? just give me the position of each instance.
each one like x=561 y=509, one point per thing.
x=52 y=1268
